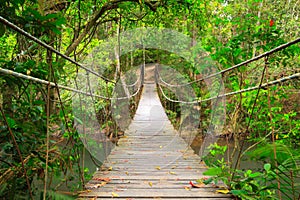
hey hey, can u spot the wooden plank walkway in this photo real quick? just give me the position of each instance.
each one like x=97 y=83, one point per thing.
x=151 y=161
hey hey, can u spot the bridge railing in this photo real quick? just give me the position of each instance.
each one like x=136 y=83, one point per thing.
x=261 y=82
x=50 y=48
x=63 y=110
x=162 y=83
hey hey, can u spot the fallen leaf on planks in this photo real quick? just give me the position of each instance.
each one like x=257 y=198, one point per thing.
x=84 y=191
x=102 y=179
x=197 y=185
x=150 y=183
x=93 y=186
x=101 y=184
x=114 y=194
x=158 y=168
x=173 y=173
x=187 y=188
x=225 y=191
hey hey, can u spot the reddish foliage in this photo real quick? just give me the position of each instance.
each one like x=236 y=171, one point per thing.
x=196 y=185
x=272 y=22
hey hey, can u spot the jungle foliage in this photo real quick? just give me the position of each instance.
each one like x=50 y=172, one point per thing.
x=39 y=143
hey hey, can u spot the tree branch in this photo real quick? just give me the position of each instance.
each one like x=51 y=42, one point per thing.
x=93 y=22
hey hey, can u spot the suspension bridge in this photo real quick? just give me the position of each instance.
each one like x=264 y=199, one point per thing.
x=152 y=160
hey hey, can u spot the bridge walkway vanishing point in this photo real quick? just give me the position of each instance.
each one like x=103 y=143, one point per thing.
x=151 y=161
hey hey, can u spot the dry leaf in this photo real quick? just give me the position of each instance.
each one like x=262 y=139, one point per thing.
x=158 y=168
x=187 y=188
x=150 y=183
x=102 y=179
x=173 y=173
x=197 y=185
x=92 y=186
x=223 y=191
x=109 y=169
x=114 y=194
x=126 y=173
x=84 y=191
x=101 y=184
x=173 y=167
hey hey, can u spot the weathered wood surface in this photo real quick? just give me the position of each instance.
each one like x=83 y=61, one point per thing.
x=151 y=161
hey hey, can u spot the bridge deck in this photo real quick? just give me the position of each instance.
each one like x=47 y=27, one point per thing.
x=151 y=161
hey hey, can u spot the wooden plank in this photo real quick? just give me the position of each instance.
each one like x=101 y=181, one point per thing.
x=159 y=198
x=165 y=193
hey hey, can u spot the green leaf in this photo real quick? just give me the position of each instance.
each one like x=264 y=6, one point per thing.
x=2 y=30
x=238 y=192
x=56 y=31
x=78 y=120
x=38 y=102
x=213 y=171
x=256 y=174
x=267 y=166
x=60 y=21
x=11 y=122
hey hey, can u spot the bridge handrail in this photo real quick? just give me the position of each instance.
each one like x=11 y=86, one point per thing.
x=45 y=82
x=276 y=49
x=267 y=84
x=38 y=41
x=28 y=35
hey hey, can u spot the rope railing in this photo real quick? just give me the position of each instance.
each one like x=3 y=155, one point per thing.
x=264 y=85
x=279 y=48
x=161 y=82
x=38 y=41
x=135 y=83
x=45 y=82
